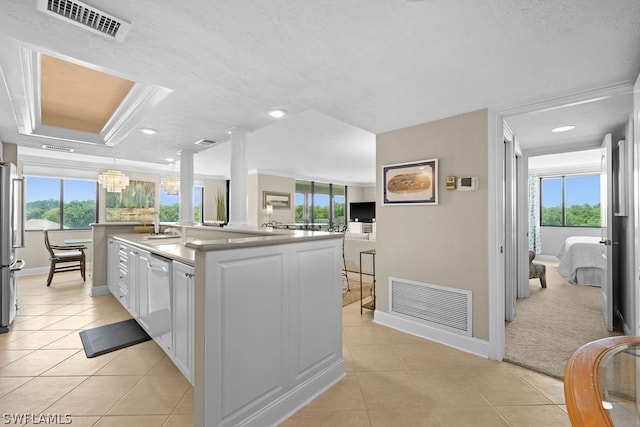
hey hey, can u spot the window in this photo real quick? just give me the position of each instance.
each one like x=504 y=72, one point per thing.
x=197 y=203
x=570 y=201
x=170 y=205
x=53 y=203
x=321 y=198
x=320 y=203
x=339 y=202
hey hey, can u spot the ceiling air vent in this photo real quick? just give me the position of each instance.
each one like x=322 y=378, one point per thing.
x=205 y=143
x=57 y=148
x=87 y=17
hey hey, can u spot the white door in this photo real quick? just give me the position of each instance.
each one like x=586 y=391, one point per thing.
x=606 y=212
x=511 y=225
x=635 y=149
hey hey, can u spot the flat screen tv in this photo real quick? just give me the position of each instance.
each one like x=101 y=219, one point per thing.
x=362 y=211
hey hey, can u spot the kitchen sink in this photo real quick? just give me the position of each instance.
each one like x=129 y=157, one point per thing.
x=161 y=236
x=169 y=240
x=169 y=247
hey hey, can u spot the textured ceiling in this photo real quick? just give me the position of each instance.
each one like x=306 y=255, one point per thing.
x=376 y=65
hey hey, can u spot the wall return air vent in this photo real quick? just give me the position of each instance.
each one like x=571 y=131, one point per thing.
x=445 y=308
x=87 y=17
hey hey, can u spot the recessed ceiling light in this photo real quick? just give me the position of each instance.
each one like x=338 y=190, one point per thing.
x=277 y=114
x=148 y=131
x=170 y=159
x=563 y=128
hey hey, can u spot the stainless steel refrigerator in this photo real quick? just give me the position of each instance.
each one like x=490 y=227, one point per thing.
x=11 y=237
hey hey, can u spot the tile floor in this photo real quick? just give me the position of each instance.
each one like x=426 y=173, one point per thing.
x=392 y=379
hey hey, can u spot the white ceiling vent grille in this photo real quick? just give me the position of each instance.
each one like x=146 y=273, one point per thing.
x=87 y=17
x=57 y=148
x=205 y=143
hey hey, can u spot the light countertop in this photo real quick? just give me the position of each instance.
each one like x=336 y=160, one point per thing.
x=174 y=248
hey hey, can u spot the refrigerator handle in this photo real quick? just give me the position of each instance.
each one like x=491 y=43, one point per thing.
x=15 y=268
x=19 y=212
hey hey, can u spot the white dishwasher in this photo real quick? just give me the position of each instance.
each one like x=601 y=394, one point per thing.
x=159 y=300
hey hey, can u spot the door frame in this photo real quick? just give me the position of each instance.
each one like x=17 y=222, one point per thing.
x=635 y=149
x=513 y=250
x=497 y=234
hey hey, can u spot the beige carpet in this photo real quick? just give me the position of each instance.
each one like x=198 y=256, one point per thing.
x=553 y=322
x=353 y=295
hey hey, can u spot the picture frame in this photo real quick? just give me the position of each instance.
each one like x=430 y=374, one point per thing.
x=134 y=203
x=413 y=183
x=277 y=200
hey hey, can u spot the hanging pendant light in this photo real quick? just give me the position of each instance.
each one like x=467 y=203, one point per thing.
x=171 y=185
x=114 y=181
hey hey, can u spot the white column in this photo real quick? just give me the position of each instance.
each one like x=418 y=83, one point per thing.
x=186 y=188
x=238 y=210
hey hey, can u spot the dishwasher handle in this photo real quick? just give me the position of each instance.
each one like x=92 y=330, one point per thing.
x=158 y=263
x=159 y=268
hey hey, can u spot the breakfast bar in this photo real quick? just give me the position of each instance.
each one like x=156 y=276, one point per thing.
x=259 y=318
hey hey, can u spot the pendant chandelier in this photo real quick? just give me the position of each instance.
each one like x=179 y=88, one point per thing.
x=171 y=185
x=114 y=181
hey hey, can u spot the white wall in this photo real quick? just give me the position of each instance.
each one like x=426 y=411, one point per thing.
x=552 y=238
x=35 y=254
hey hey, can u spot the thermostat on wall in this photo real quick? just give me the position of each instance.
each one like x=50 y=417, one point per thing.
x=468 y=183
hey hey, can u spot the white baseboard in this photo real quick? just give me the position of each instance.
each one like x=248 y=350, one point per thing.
x=414 y=327
x=32 y=271
x=99 y=290
x=625 y=326
x=298 y=397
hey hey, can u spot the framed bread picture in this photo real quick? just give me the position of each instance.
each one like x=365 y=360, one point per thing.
x=414 y=183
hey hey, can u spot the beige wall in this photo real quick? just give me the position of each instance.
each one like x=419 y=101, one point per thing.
x=445 y=244
x=211 y=189
x=9 y=153
x=257 y=184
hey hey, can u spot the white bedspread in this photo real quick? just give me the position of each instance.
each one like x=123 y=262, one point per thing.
x=580 y=252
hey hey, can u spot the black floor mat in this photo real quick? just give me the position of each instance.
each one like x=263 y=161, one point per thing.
x=104 y=339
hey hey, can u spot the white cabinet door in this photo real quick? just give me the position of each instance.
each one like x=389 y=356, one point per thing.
x=183 y=318
x=141 y=261
x=113 y=270
x=137 y=276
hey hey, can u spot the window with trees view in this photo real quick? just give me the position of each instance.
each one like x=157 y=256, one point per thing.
x=320 y=203
x=53 y=203
x=170 y=205
x=571 y=201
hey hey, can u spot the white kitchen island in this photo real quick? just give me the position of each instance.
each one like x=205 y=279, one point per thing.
x=267 y=321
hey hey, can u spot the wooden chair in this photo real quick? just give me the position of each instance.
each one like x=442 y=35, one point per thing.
x=72 y=258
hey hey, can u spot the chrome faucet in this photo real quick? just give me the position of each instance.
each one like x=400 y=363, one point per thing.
x=172 y=230
x=181 y=233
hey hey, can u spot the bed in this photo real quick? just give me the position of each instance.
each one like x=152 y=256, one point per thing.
x=582 y=261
